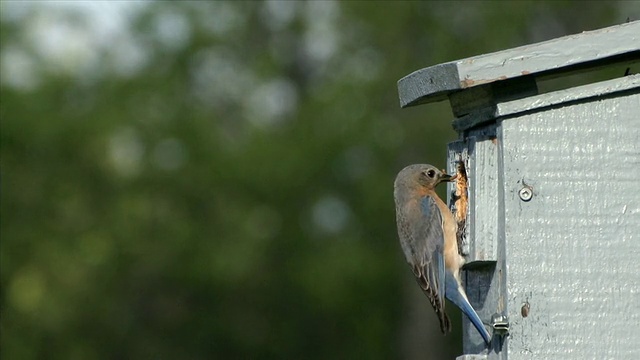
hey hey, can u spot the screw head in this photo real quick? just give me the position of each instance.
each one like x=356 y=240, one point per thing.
x=526 y=193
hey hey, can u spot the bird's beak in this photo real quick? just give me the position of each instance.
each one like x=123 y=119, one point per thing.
x=448 y=178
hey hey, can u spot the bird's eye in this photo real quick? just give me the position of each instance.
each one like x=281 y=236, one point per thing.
x=431 y=173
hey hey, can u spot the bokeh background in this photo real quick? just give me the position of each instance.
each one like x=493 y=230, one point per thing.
x=213 y=179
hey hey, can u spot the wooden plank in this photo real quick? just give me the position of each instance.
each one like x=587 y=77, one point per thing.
x=539 y=102
x=588 y=49
x=572 y=248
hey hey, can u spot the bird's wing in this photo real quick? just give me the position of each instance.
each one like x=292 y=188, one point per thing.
x=423 y=230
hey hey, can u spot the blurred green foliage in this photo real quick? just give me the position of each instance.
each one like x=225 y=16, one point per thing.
x=215 y=180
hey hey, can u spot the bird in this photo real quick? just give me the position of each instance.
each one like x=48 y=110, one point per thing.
x=427 y=232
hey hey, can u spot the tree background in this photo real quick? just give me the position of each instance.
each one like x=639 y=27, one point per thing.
x=213 y=180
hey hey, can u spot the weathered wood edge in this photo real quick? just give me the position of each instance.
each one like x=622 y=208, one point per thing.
x=435 y=82
x=542 y=101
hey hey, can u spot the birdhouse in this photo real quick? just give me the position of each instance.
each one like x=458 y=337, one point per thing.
x=548 y=192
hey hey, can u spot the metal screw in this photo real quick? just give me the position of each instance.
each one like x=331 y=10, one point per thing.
x=526 y=193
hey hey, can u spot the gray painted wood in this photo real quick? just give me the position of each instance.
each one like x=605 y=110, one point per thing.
x=556 y=98
x=472 y=357
x=480 y=156
x=483 y=187
x=571 y=250
x=481 y=238
x=568 y=253
x=550 y=57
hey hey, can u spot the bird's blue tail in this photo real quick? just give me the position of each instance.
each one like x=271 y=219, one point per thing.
x=455 y=293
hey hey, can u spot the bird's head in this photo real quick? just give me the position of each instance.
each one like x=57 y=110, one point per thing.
x=424 y=175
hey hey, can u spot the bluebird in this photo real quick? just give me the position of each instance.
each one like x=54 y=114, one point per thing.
x=427 y=232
